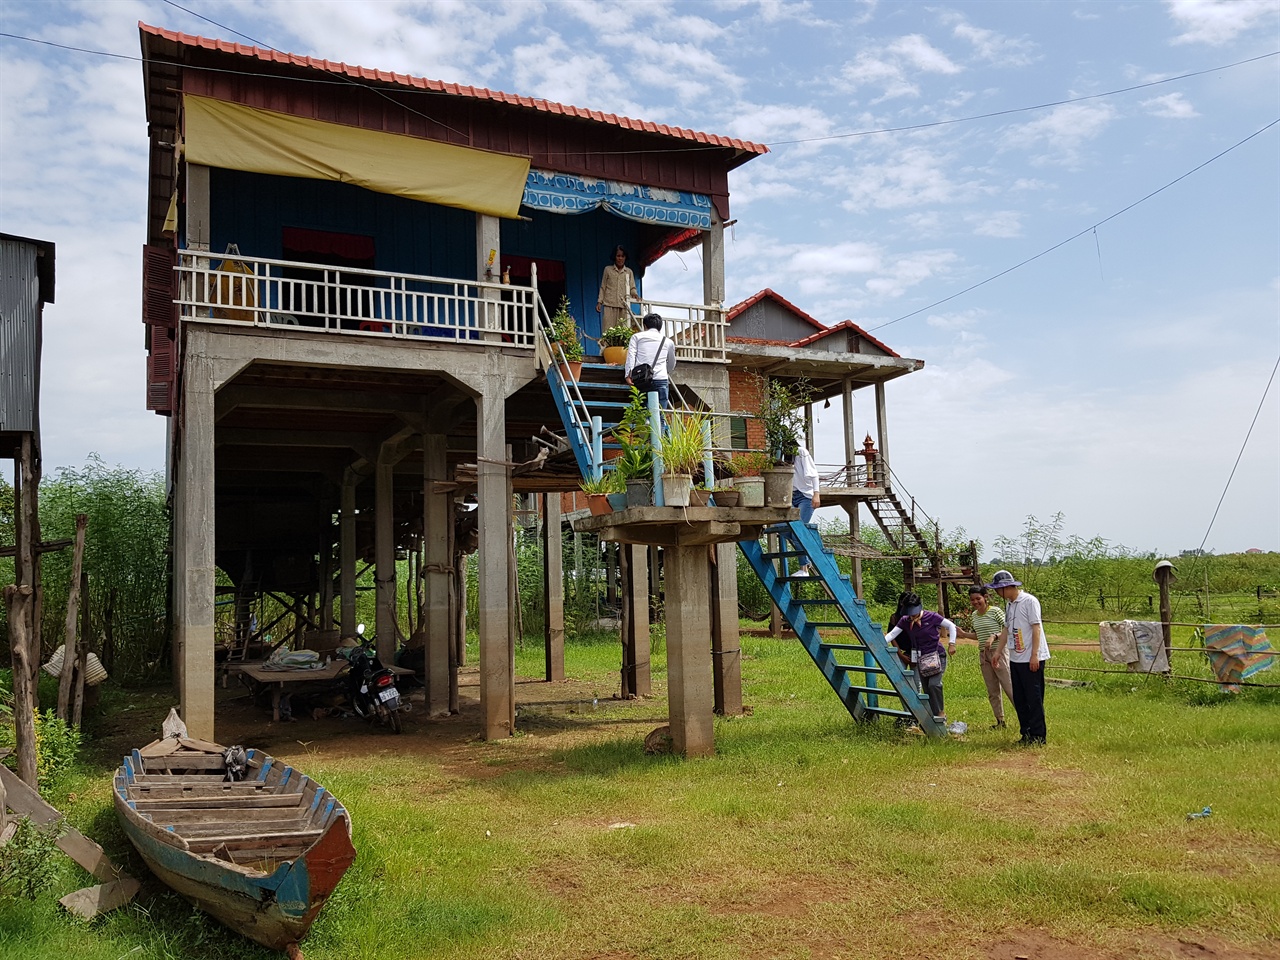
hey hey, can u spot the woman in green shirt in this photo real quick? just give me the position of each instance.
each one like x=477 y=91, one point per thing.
x=988 y=621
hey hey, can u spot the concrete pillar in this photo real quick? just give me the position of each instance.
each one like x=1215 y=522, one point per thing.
x=437 y=518
x=636 y=676
x=726 y=646
x=489 y=269
x=689 y=685
x=882 y=431
x=493 y=482
x=347 y=556
x=193 y=550
x=855 y=529
x=713 y=262
x=553 y=585
x=384 y=576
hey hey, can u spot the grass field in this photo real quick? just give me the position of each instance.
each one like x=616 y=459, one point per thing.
x=806 y=836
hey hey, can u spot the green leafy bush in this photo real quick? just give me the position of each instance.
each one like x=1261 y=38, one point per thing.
x=57 y=745
x=28 y=862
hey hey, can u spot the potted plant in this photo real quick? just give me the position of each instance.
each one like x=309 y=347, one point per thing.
x=597 y=490
x=701 y=494
x=564 y=331
x=613 y=343
x=634 y=466
x=682 y=451
x=746 y=469
x=780 y=415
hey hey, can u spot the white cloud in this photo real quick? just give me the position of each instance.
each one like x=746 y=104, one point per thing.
x=891 y=67
x=1217 y=22
x=997 y=223
x=1062 y=131
x=1171 y=105
x=991 y=46
x=916 y=176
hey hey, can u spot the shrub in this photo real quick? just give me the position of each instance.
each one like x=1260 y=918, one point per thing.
x=29 y=862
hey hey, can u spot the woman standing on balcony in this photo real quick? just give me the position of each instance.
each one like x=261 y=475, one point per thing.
x=617 y=287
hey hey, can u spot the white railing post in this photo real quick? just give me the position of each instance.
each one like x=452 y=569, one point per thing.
x=655 y=440
x=708 y=465
x=597 y=447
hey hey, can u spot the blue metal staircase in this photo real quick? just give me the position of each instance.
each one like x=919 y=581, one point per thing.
x=589 y=407
x=834 y=628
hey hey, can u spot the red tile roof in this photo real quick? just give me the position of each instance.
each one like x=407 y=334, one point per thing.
x=439 y=86
x=786 y=304
x=822 y=329
x=845 y=325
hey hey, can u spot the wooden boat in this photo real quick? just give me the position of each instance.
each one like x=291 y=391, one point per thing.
x=261 y=854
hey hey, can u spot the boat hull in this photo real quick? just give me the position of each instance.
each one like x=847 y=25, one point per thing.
x=274 y=906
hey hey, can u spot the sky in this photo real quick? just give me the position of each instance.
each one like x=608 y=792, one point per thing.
x=919 y=152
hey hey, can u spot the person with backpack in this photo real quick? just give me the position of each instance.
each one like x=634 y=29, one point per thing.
x=650 y=359
x=922 y=628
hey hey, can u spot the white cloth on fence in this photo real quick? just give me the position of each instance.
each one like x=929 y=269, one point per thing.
x=1139 y=644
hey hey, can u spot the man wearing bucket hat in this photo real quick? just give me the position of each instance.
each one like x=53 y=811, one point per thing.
x=1028 y=651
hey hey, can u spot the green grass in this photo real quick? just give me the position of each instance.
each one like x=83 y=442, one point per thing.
x=805 y=836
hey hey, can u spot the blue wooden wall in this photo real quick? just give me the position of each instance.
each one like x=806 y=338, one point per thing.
x=585 y=243
x=409 y=236
x=250 y=210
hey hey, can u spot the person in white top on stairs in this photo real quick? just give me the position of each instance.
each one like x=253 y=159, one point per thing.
x=805 y=486
x=651 y=346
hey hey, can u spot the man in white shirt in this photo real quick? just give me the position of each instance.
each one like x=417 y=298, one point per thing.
x=1028 y=652
x=804 y=494
x=652 y=347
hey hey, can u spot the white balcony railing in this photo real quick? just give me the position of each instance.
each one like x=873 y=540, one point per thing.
x=697 y=330
x=261 y=291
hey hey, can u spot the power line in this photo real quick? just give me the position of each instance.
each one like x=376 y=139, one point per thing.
x=1075 y=236
x=1247 y=435
x=349 y=81
x=1012 y=110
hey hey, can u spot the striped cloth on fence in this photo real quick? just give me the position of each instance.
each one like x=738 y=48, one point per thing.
x=1236 y=652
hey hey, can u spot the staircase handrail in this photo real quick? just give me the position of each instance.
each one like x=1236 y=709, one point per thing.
x=555 y=358
x=897 y=487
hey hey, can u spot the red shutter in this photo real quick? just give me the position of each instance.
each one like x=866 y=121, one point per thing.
x=159 y=286
x=161 y=371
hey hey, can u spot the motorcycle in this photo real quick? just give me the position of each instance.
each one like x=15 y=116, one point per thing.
x=371 y=687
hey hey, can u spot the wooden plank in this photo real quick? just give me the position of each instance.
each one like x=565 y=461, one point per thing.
x=267 y=801
x=160 y=748
x=184 y=780
x=295 y=842
x=204 y=746
x=27 y=802
x=95 y=901
x=69 y=655
x=286 y=829
x=187 y=761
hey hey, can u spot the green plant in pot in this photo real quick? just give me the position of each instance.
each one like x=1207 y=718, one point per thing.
x=564 y=330
x=781 y=416
x=683 y=448
x=598 y=489
x=634 y=466
x=746 y=469
x=613 y=343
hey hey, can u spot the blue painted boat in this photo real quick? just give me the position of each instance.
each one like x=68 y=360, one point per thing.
x=261 y=854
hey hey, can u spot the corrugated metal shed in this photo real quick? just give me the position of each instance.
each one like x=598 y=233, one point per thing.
x=26 y=284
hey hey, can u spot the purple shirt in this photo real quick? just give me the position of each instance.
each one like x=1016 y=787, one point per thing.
x=923 y=636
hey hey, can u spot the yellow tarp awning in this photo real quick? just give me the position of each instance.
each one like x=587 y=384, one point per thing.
x=236 y=137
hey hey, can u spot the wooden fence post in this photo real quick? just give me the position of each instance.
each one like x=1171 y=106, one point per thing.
x=69 y=658
x=17 y=600
x=1164 y=576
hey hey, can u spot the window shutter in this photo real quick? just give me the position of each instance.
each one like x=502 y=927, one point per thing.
x=159 y=286
x=161 y=371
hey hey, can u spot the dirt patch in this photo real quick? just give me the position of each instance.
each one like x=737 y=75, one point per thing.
x=1038 y=945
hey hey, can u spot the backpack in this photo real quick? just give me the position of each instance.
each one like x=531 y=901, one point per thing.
x=642 y=373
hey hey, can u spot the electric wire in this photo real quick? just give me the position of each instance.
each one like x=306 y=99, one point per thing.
x=1075 y=236
x=1247 y=435
x=349 y=81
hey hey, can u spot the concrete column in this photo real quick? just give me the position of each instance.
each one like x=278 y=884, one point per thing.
x=487 y=243
x=850 y=438
x=347 y=556
x=855 y=529
x=193 y=550
x=689 y=686
x=384 y=576
x=882 y=431
x=636 y=676
x=553 y=585
x=436 y=520
x=713 y=261
x=493 y=481
x=726 y=646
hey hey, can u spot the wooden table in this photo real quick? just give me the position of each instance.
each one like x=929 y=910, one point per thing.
x=280 y=681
